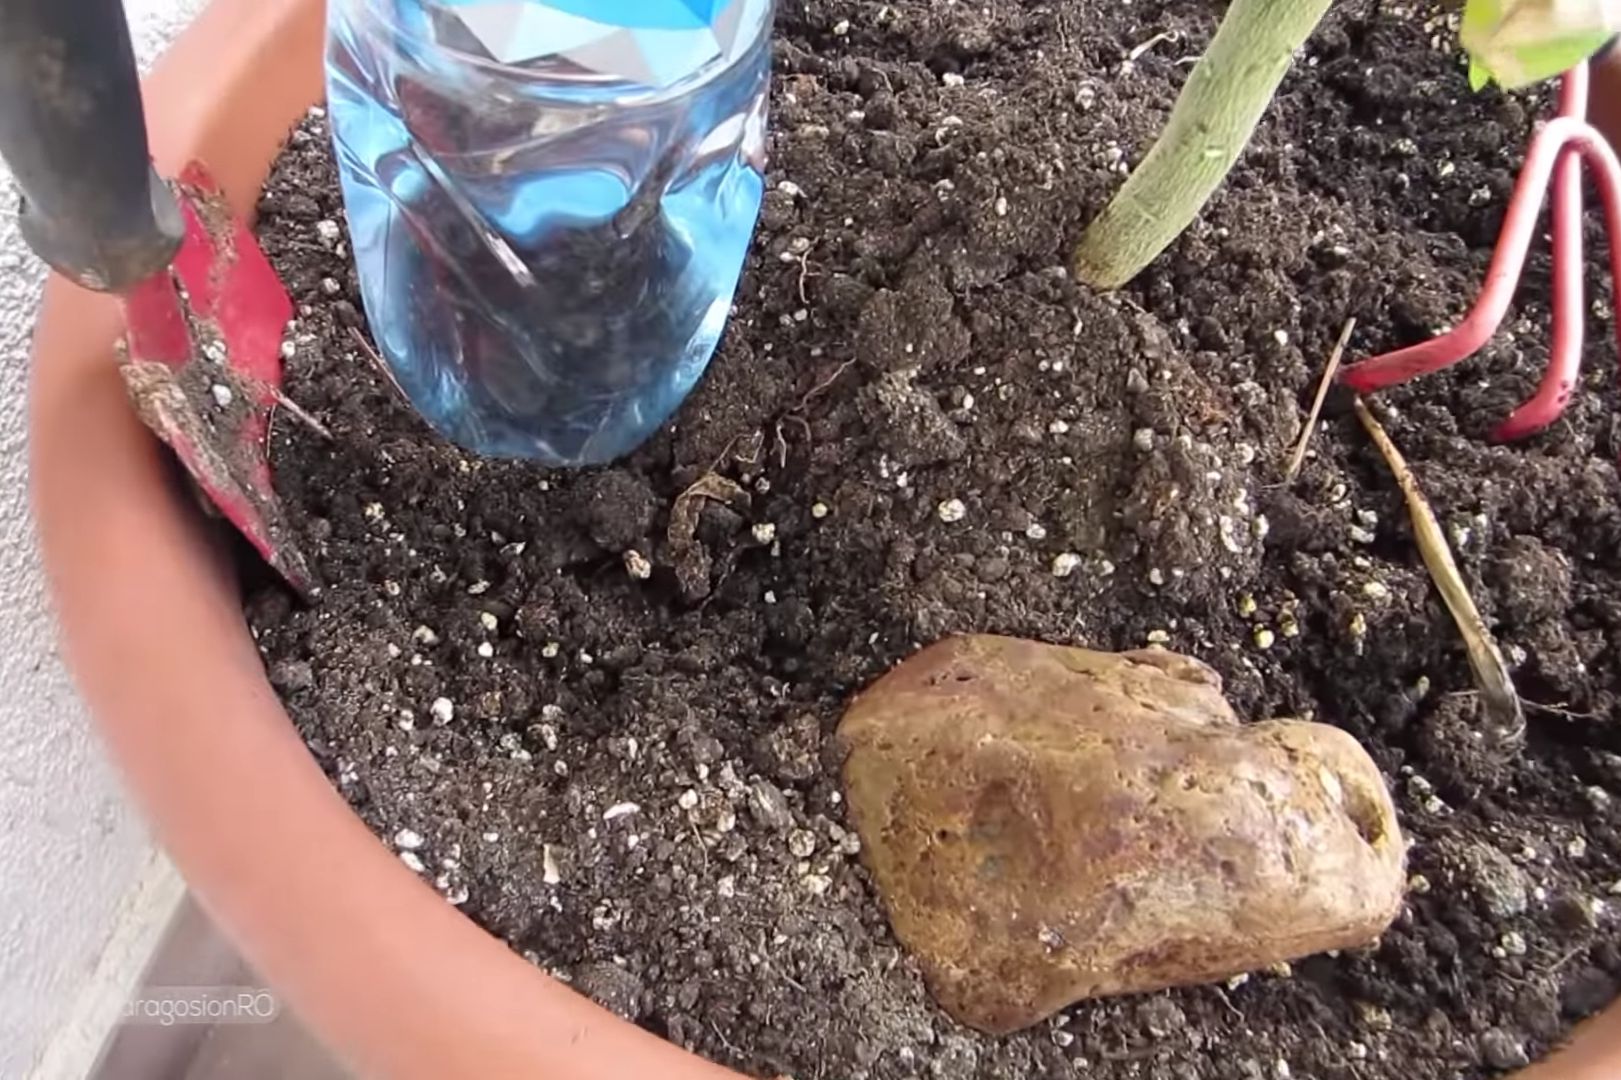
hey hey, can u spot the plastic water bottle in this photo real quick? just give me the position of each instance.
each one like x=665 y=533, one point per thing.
x=549 y=202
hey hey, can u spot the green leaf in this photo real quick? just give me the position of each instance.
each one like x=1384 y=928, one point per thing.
x=1519 y=42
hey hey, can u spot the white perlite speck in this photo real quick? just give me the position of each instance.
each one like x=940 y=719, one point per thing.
x=408 y=840
x=222 y=395
x=1058 y=427
x=765 y=532
x=486 y=650
x=488 y=621
x=819 y=511
x=619 y=810
x=1143 y=439
x=637 y=566
x=412 y=860
x=1066 y=564
x=328 y=231
x=688 y=800
x=952 y=511
x=443 y=710
x=1035 y=531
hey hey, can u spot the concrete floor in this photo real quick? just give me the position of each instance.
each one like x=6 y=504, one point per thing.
x=193 y=956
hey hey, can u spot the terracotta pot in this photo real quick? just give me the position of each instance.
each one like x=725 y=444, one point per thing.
x=396 y=980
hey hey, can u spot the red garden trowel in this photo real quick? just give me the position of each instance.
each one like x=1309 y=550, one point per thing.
x=204 y=311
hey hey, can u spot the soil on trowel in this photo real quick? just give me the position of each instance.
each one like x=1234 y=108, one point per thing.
x=915 y=416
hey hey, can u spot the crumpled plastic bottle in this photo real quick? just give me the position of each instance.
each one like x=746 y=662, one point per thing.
x=550 y=203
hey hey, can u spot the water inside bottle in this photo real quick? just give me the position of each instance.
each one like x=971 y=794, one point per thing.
x=550 y=202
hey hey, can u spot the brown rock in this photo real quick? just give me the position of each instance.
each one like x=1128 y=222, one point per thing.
x=1048 y=824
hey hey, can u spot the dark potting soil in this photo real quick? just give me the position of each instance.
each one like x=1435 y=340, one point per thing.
x=632 y=780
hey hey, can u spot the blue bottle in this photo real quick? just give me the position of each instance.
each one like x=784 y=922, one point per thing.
x=549 y=202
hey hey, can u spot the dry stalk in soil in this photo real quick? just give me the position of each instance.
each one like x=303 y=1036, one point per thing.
x=1497 y=695
x=1310 y=429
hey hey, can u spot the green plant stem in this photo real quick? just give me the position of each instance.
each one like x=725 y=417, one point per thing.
x=1225 y=97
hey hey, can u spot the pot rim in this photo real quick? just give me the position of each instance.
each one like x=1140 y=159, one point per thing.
x=392 y=977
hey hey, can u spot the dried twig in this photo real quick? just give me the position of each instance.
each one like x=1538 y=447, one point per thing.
x=302 y=415
x=1561 y=710
x=1227 y=1001
x=1329 y=372
x=721 y=1035
x=1497 y=695
x=371 y=353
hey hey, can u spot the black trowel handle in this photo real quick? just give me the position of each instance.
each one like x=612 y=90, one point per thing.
x=73 y=133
